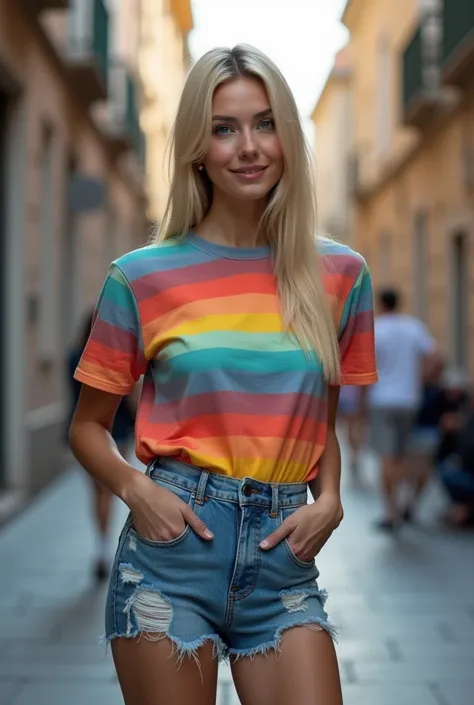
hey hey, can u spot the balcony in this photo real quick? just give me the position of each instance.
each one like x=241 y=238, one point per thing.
x=119 y=117
x=363 y=172
x=87 y=50
x=423 y=97
x=458 y=42
x=37 y=6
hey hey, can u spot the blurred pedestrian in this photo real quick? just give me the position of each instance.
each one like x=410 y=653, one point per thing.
x=455 y=456
x=122 y=433
x=229 y=315
x=423 y=445
x=350 y=413
x=406 y=357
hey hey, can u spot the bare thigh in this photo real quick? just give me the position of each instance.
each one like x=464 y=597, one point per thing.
x=150 y=674
x=304 y=672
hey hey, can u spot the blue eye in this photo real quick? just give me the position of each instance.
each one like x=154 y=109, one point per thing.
x=223 y=130
x=267 y=124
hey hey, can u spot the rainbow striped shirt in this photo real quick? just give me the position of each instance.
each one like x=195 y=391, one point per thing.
x=225 y=386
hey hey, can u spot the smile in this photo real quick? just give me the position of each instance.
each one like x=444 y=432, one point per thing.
x=251 y=173
x=249 y=170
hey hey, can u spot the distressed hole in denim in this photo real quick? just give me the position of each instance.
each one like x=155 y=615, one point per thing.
x=129 y=574
x=153 y=613
x=295 y=601
x=132 y=543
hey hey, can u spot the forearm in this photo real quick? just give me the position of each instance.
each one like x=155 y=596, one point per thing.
x=328 y=479
x=96 y=451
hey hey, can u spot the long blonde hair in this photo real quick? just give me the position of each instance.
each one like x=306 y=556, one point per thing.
x=289 y=219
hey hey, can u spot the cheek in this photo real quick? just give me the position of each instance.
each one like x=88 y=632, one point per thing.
x=274 y=150
x=218 y=155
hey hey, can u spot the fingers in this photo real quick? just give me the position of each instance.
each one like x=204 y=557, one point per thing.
x=282 y=532
x=196 y=524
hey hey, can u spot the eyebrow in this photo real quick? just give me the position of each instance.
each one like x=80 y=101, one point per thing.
x=229 y=118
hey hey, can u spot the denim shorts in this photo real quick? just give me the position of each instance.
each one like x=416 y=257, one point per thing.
x=227 y=591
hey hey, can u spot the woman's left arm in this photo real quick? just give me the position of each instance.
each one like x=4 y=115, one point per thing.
x=309 y=527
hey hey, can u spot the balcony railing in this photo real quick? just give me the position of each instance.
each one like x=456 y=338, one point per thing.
x=422 y=95
x=88 y=48
x=458 y=42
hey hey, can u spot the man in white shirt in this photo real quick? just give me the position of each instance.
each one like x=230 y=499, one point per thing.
x=405 y=353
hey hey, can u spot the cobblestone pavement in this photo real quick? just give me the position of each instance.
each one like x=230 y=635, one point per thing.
x=405 y=606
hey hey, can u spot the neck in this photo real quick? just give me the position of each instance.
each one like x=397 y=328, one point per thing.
x=233 y=223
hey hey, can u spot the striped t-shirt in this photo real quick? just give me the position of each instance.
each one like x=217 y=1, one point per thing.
x=225 y=386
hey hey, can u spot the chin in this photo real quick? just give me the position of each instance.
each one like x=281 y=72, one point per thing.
x=251 y=192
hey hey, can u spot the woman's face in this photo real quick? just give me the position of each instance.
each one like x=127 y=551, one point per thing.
x=244 y=159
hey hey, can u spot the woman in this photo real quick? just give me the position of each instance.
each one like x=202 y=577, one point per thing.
x=240 y=323
x=122 y=433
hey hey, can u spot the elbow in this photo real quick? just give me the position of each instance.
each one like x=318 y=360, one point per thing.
x=73 y=436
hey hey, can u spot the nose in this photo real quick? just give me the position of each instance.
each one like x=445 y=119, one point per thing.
x=248 y=147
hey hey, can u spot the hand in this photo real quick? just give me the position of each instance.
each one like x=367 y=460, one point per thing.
x=159 y=515
x=309 y=527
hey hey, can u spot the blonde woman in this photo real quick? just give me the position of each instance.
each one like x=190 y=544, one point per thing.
x=243 y=326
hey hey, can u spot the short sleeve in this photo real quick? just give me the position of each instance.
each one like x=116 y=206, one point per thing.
x=426 y=342
x=113 y=359
x=356 y=333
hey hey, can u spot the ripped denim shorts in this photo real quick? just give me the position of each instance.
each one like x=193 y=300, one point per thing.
x=227 y=591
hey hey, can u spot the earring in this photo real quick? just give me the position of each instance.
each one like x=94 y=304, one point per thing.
x=200 y=167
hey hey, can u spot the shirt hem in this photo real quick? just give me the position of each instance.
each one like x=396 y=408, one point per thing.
x=104 y=386
x=361 y=380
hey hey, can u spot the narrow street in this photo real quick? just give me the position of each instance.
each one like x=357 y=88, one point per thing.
x=405 y=606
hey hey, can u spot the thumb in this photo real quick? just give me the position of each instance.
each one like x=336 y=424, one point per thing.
x=278 y=535
x=196 y=524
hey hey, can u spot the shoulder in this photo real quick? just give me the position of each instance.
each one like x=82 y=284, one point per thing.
x=150 y=259
x=340 y=260
x=345 y=272
x=415 y=325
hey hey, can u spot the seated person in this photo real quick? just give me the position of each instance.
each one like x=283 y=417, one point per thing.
x=456 y=462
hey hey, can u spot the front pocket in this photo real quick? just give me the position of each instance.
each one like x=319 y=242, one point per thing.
x=284 y=513
x=185 y=495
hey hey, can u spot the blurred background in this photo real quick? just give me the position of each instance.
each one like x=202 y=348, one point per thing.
x=88 y=93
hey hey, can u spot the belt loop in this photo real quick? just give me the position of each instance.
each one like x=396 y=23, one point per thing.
x=150 y=466
x=274 y=507
x=201 y=489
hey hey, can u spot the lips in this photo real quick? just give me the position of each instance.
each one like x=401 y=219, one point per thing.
x=249 y=169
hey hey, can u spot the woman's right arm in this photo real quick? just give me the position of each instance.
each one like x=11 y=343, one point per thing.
x=93 y=446
x=158 y=514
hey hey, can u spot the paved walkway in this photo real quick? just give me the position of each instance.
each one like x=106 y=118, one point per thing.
x=405 y=606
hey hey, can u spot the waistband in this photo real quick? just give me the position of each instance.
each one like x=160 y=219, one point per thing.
x=246 y=491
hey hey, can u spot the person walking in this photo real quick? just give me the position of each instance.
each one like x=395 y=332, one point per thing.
x=244 y=324
x=350 y=413
x=407 y=357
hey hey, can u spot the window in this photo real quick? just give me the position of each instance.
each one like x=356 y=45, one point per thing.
x=47 y=319
x=383 y=97
x=459 y=286
x=385 y=258
x=420 y=245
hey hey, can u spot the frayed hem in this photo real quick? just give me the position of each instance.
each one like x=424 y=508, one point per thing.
x=274 y=645
x=181 y=647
